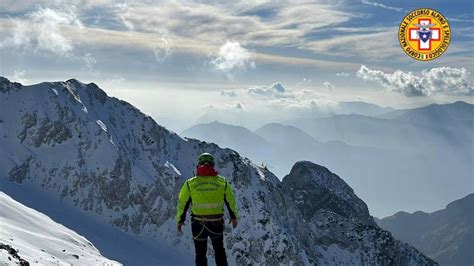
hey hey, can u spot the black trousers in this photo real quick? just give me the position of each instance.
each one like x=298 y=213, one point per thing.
x=214 y=230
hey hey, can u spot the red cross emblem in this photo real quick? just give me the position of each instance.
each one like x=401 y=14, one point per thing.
x=415 y=35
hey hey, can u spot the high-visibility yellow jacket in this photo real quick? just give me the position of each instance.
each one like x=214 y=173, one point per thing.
x=206 y=195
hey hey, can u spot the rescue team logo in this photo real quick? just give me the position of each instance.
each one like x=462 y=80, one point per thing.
x=424 y=34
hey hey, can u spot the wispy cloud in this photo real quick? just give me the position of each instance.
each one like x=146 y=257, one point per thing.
x=89 y=61
x=376 y=4
x=440 y=80
x=123 y=12
x=214 y=22
x=42 y=30
x=164 y=47
x=459 y=20
x=375 y=47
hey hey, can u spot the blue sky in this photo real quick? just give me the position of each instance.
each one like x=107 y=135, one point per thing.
x=165 y=56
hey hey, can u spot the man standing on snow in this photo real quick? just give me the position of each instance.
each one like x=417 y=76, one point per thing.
x=207 y=193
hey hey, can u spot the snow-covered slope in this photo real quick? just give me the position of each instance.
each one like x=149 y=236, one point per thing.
x=40 y=240
x=69 y=141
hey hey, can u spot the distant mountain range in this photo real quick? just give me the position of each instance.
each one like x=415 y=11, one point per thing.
x=398 y=151
x=361 y=108
x=403 y=129
x=102 y=168
x=232 y=137
x=237 y=116
x=446 y=235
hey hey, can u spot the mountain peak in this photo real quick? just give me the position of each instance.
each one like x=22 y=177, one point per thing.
x=90 y=90
x=314 y=187
x=279 y=133
x=6 y=85
x=465 y=203
x=4 y=80
x=74 y=81
x=461 y=103
x=307 y=165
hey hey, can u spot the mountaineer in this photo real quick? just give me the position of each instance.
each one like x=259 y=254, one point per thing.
x=207 y=193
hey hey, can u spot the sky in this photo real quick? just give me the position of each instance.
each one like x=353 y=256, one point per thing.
x=181 y=60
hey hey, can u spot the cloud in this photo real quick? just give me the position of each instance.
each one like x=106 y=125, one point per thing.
x=211 y=21
x=231 y=57
x=342 y=74
x=276 y=90
x=440 y=80
x=123 y=12
x=199 y=27
x=374 y=46
x=19 y=76
x=459 y=20
x=89 y=61
x=42 y=30
x=112 y=83
x=18 y=6
x=271 y=103
x=164 y=47
x=329 y=85
x=277 y=97
x=301 y=34
x=228 y=93
x=304 y=82
x=238 y=106
x=365 y=2
x=207 y=21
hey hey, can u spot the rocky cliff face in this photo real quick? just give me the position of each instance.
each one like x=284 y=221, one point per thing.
x=344 y=231
x=71 y=141
x=314 y=187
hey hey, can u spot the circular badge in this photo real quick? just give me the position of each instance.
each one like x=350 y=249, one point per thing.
x=424 y=34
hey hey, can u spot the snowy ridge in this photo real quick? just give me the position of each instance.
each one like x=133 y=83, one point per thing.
x=127 y=170
x=40 y=240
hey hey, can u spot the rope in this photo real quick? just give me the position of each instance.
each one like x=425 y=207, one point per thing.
x=203 y=223
x=205 y=219
x=198 y=235
x=211 y=231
